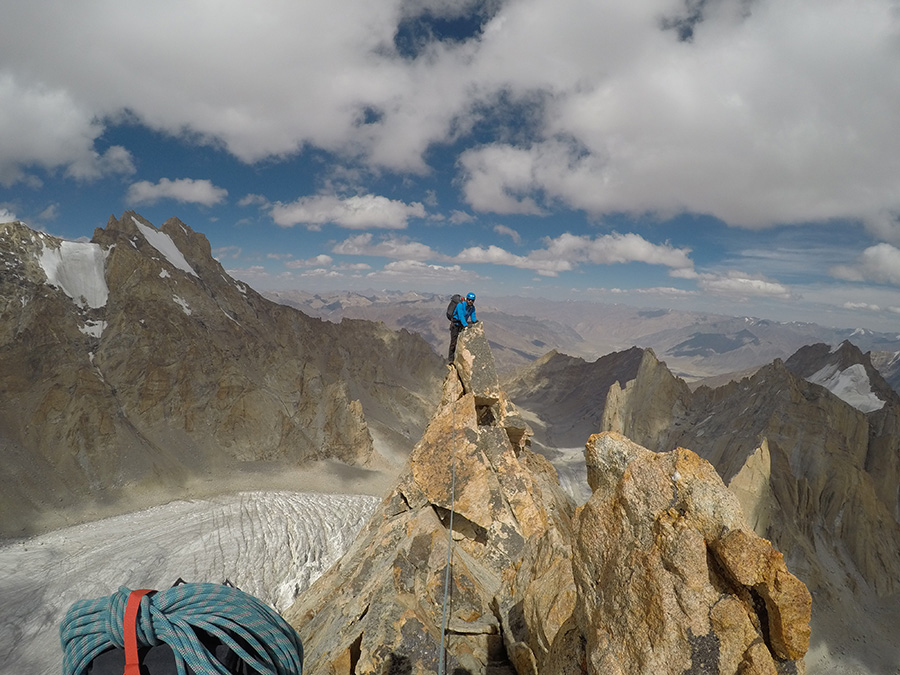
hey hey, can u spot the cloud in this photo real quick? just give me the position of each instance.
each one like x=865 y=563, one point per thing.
x=253 y=200
x=42 y=126
x=756 y=119
x=508 y=232
x=49 y=213
x=460 y=217
x=186 y=190
x=664 y=291
x=387 y=247
x=417 y=272
x=618 y=248
x=7 y=216
x=495 y=255
x=879 y=263
x=224 y=252
x=861 y=305
x=320 y=260
x=355 y=213
x=757 y=106
x=566 y=252
x=92 y=165
x=741 y=285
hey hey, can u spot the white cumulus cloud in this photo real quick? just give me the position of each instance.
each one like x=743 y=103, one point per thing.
x=186 y=190
x=320 y=260
x=741 y=285
x=508 y=232
x=355 y=213
x=568 y=251
x=879 y=263
x=386 y=247
x=774 y=111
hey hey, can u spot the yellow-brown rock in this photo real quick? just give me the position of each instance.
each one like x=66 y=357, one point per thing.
x=655 y=595
x=470 y=497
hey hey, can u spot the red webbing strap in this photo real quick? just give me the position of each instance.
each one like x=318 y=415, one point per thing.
x=132 y=666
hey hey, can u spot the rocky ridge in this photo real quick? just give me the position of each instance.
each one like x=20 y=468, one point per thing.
x=478 y=536
x=135 y=363
x=815 y=475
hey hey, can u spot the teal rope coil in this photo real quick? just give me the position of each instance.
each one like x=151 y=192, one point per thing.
x=252 y=629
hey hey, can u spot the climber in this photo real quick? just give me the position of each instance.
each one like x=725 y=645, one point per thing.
x=462 y=317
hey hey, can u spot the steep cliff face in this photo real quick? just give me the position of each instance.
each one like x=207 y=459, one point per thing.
x=832 y=461
x=670 y=577
x=471 y=481
x=851 y=376
x=888 y=364
x=135 y=360
x=478 y=537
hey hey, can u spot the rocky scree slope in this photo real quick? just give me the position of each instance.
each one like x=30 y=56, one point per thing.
x=657 y=573
x=135 y=363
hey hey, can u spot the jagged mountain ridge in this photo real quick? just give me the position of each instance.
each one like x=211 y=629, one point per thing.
x=658 y=572
x=134 y=361
x=695 y=345
x=817 y=476
x=888 y=364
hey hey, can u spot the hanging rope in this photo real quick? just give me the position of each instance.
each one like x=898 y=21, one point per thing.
x=442 y=657
x=253 y=630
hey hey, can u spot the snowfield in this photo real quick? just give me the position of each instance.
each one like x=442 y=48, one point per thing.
x=851 y=385
x=270 y=544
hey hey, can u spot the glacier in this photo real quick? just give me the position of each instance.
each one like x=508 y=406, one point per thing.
x=270 y=544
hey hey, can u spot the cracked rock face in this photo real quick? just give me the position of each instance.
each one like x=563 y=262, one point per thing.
x=670 y=577
x=471 y=481
x=657 y=573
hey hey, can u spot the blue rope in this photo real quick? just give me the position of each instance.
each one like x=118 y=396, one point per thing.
x=253 y=630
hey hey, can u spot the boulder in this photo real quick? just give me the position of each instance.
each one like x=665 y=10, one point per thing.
x=475 y=365
x=671 y=579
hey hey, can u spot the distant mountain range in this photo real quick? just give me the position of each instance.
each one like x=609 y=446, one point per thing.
x=693 y=345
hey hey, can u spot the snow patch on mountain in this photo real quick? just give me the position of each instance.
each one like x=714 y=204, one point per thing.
x=270 y=544
x=186 y=308
x=77 y=269
x=93 y=328
x=851 y=385
x=164 y=244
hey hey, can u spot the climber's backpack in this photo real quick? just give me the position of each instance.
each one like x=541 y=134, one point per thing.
x=451 y=308
x=189 y=629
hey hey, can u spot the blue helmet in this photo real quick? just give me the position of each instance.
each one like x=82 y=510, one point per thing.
x=470 y=296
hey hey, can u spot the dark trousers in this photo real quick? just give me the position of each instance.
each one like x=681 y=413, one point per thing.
x=455 y=328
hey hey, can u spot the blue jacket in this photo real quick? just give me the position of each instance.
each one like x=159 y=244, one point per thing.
x=464 y=315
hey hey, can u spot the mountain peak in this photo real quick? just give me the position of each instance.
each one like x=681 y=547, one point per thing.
x=536 y=586
x=846 y=372
x=134 y=362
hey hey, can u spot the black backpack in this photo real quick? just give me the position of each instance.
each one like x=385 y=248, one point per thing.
x=451 y=308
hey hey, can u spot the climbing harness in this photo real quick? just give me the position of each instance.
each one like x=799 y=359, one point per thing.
x=442 y=657
x=177 y=616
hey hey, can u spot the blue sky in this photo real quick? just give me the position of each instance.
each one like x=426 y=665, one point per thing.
x=735 y=156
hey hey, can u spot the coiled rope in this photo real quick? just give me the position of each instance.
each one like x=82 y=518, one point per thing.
x=442 y=657
x=253 y=631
